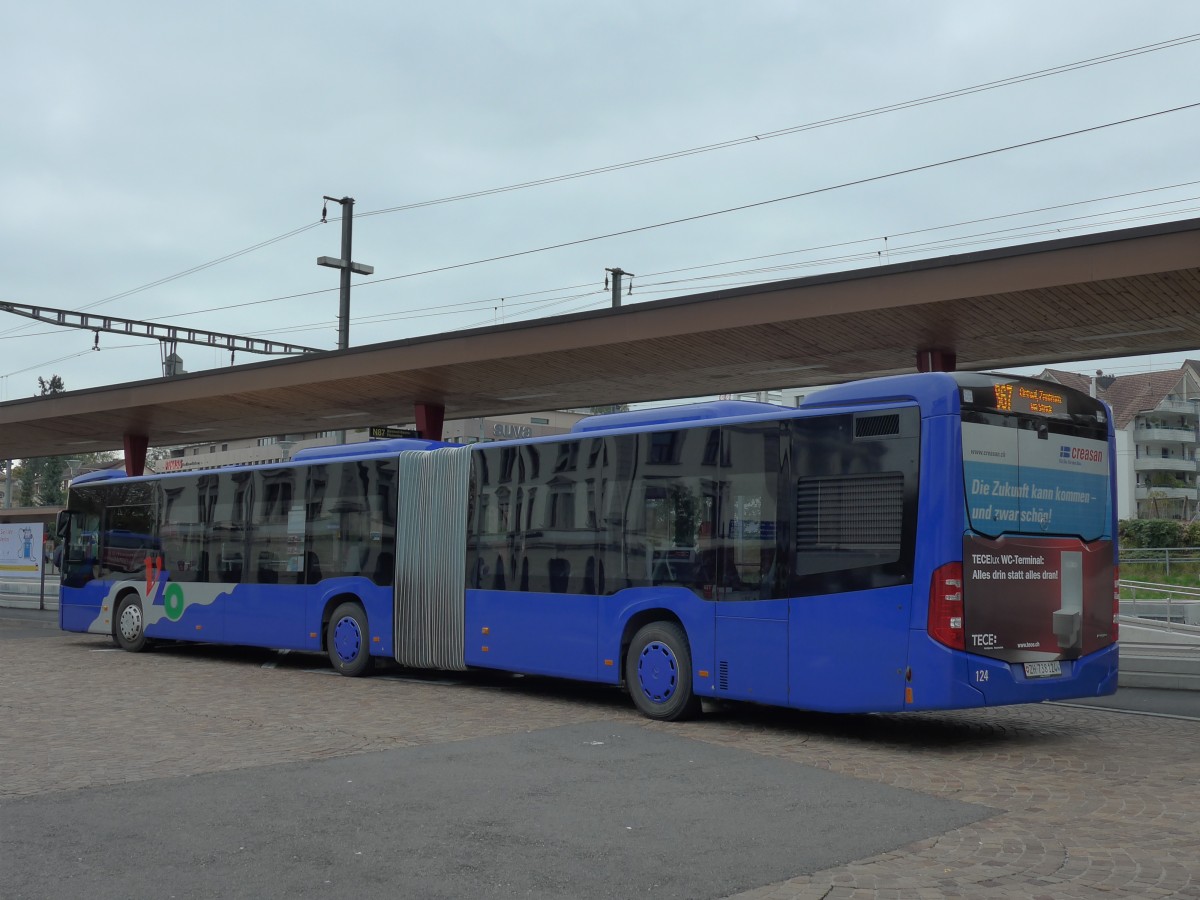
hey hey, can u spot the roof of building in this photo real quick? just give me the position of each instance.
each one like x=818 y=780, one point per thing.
x=1119 y=293
x=1128 y=395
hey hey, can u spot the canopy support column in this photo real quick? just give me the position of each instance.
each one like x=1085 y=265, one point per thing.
x=430 y=417
x=933 y=360
x=135 y=454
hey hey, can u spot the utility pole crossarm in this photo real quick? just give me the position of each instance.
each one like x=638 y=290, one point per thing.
x=333 y=262
x=345 y=264
x=68 y=318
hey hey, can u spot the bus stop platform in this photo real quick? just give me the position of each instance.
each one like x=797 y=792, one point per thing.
x=265 y=774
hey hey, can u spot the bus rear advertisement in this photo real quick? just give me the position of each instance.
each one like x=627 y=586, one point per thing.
x=933 y=541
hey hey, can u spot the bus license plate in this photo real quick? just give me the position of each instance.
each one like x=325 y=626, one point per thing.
x=1043 y=669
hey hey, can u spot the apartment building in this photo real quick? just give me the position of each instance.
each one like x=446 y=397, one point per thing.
x=1156 y=416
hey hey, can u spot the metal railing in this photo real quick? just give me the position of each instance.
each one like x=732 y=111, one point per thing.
x=1159 y=556
x=1165 y=604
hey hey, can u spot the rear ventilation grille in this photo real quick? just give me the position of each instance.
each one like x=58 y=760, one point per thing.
x=877 y=426
x=723 y=675
x=856 y=511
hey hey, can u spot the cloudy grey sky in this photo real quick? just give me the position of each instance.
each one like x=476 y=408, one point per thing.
x=143 y=139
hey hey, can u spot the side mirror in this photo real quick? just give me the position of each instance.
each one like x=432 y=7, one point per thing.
x=62 y=524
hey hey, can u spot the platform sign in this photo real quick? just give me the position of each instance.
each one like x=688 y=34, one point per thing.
x=21 y=550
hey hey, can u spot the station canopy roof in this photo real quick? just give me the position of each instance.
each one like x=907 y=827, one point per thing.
x=1111 y=294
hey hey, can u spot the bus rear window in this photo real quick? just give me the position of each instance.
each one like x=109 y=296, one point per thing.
x=1036 y=459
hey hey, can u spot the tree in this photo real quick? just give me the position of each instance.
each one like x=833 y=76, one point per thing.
x=48 y=388
x=40 y=481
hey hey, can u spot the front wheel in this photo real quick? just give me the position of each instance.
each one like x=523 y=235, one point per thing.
x=129 y=624
x=347 y=640
x=658 y=671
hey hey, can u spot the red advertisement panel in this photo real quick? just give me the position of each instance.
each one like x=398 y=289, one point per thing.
x=1036 y=599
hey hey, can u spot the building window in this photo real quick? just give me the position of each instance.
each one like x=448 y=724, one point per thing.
x=538 y=420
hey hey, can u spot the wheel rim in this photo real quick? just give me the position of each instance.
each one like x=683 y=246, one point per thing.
x=131 y=622
x=347 y=639
x=658 y=672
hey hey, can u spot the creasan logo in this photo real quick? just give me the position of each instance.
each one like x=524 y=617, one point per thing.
x=1082 y=454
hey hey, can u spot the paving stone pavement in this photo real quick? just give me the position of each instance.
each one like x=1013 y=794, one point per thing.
x=1088 y=802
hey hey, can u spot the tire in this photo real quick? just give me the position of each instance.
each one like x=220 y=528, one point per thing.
x=129 y=624
x=348 y=641
x=658 y=672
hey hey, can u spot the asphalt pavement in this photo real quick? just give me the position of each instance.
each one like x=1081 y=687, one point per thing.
x=203 y=771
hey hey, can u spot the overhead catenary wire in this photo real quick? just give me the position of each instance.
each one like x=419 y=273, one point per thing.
x=757 y=204
x=191 y=271
x=909 y=170
x=1115 y=56
x=871 y=255
x=601 y=295
x=808 y=126
x=453 y=308
x=517 y=300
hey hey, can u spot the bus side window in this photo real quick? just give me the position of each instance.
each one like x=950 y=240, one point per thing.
x=268 y=567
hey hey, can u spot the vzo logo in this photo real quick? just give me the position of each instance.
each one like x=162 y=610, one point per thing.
x=173 y=601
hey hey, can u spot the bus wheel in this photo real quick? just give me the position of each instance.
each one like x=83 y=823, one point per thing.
x=658 y=671
x=348 y=641
x=129 y=624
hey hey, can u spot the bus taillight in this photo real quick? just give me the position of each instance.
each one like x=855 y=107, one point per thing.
x=1116 y=628
x=946 y=606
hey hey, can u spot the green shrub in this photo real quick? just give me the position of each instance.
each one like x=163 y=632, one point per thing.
x=1148 y=533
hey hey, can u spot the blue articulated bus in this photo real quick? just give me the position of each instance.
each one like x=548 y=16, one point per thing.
x=932 y=541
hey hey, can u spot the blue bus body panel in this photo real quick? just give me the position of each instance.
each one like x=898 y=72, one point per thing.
x=752 y=651
x=291 y=617
x=684 y=415
x=935 y=392
x=575 y=636
x=940 y=515
x=694 y=614
x=80 y=609
x=539 y=634
x=1001 y=682
x=946 y=679
x=848 y=650
x=939 y=675
x=266 y=616
x=286 y=617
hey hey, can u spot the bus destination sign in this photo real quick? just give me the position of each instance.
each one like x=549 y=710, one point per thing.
x=1025 y=398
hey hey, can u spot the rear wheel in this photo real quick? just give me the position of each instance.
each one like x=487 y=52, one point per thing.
x=658 y=671
x=129 y=624
x=347 y=640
